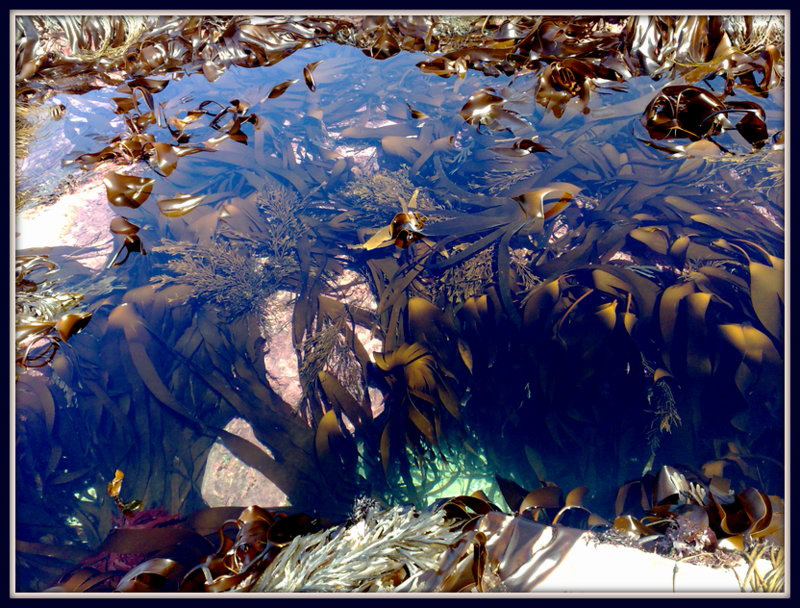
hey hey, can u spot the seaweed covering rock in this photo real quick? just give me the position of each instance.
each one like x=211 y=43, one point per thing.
x=236 y=283
x=377 y=195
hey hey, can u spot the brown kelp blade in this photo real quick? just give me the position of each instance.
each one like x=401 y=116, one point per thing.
x=70 y=324
x=127 y=190
x=280 y=89
x=181 y=204
x=308 y=75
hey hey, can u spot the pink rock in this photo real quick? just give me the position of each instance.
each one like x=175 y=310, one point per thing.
x=228 y=481
x=77 y=218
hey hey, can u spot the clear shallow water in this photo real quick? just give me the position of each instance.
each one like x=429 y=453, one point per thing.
x=562 y=392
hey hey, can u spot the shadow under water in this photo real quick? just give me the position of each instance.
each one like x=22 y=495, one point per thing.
x=569 y=243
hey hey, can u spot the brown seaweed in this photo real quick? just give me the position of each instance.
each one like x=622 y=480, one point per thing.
x=660 y=276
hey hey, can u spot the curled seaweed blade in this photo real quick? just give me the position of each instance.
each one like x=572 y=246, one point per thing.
x=513 y=493
x=127 y=190
x=628 y=523
x=131 y=244
x=81 y=580
x=416 y=114
x=384 y=47
x=151 y=576
x=406 y=228
x=152 y=85
x=670 y=485
x=684 y=111
x=560 y=82
x=577 y=517
x=121 y=225
x=753 y=123
x=481 y=107
x=548 y=497
x=181 y=204
x=70 y=324
x=758 y=507
x=280 y=89
x=382 y=238
x=166 y=157
x=521 y=148
x=532 y=203
x=115 y=485
x=308 y=75
x=212 y=71
x=576 y=496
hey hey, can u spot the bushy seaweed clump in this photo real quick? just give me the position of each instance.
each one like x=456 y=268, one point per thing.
x=376 y=196
x=234 y=282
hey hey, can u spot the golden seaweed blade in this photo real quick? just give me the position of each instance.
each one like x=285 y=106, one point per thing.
x=132 y=243
x=687 y=515
x=406 y=228
x=128 y=508
x=481 y=107
x=42 y=322
x=115 y=485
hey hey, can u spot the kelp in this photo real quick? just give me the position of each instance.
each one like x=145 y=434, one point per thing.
x=547 y=277
x=683 y=111
x=372 y=195
x=634 y=45
x=458 y=544
x=238 y=562
x=42 y=322
x=684 y=516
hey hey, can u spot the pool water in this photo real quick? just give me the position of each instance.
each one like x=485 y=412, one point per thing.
x=549 y=295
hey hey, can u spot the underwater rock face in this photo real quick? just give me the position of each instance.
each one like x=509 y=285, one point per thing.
x=230 y=482
x=74 y=219
x=280 y=358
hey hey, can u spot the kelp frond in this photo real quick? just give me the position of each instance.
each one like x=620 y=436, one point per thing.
x=773 y=580
x=41 y=311
x=92 y=37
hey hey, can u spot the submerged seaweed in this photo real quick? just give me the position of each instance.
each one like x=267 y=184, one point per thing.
x=234 y=282
x=571 y=230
